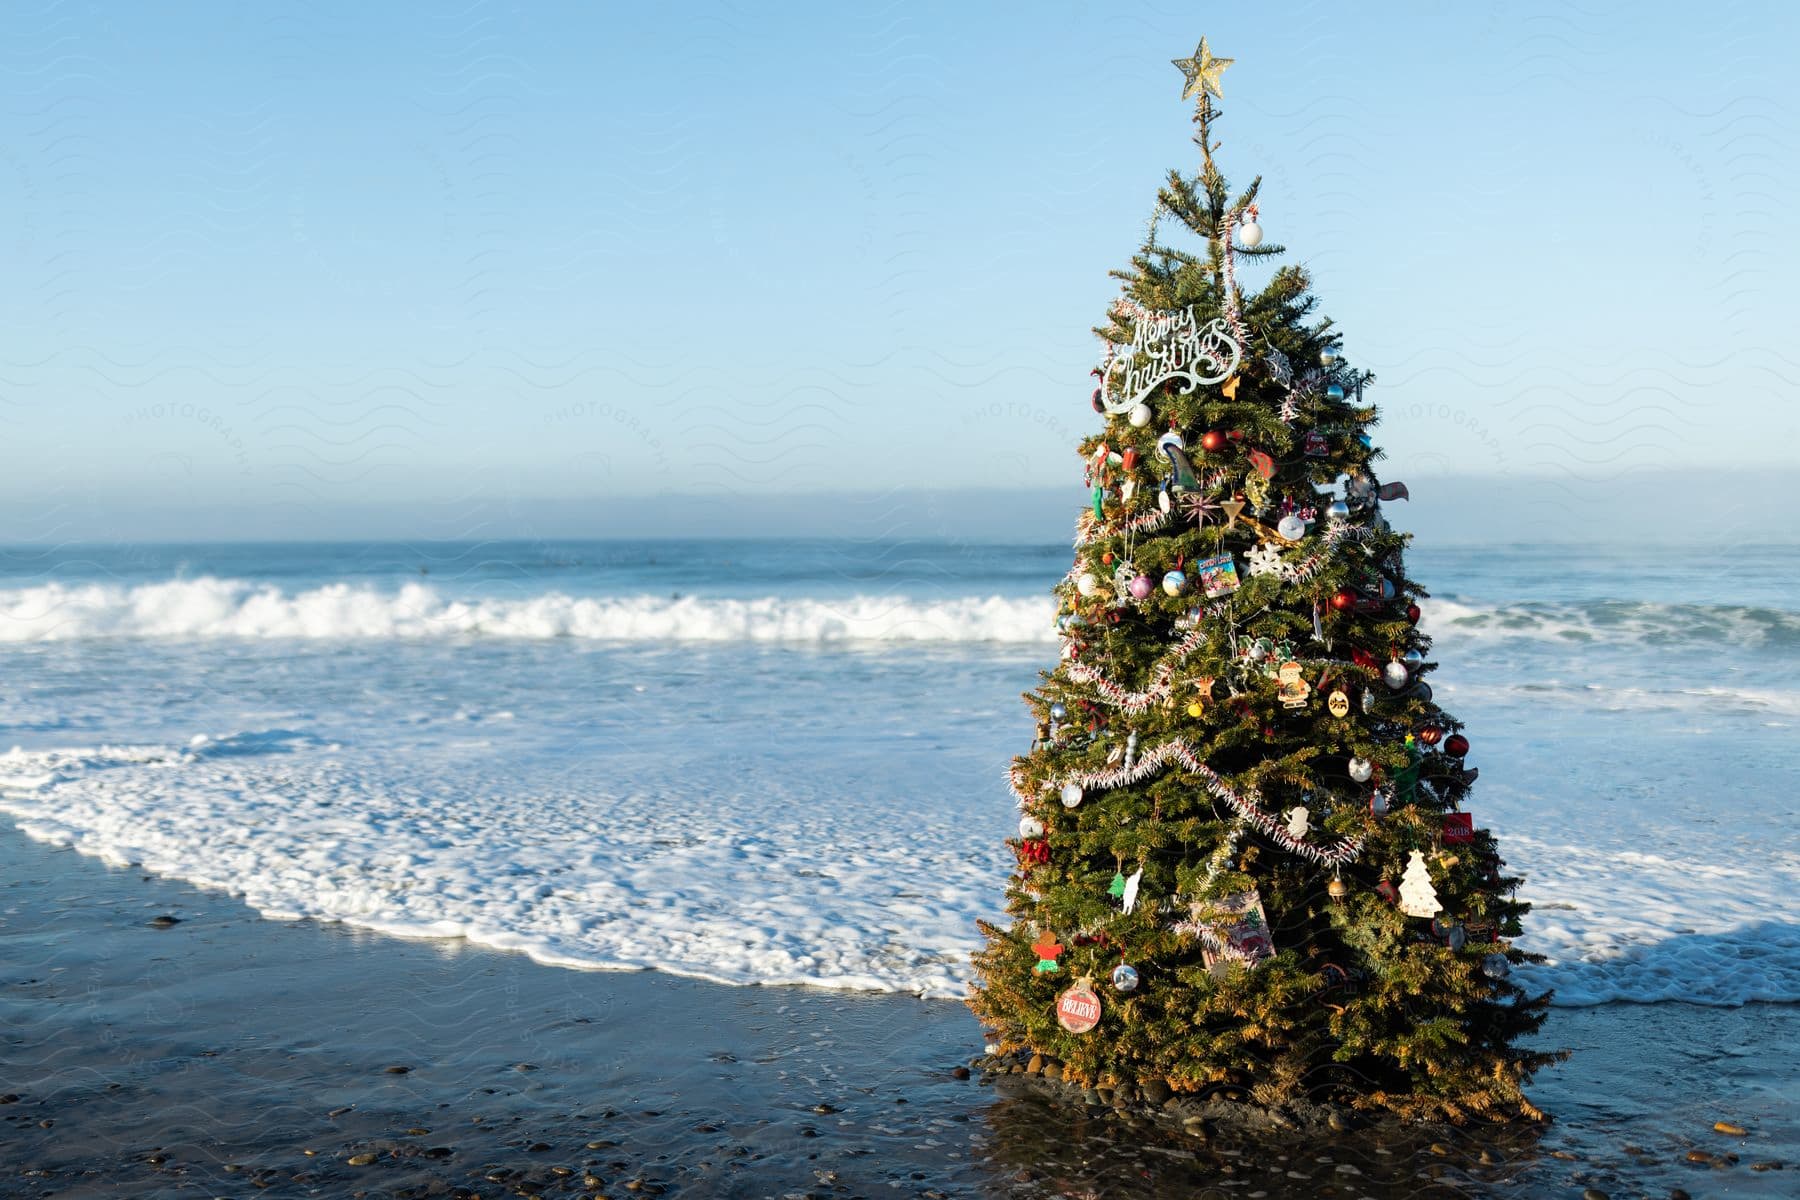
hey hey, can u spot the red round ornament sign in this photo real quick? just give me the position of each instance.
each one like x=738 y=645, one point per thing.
x=1078 y=1009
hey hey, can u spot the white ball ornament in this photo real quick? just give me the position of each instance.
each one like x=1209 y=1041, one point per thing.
x=1071 y=795
x=1030 y=827
x=1087 y=584
x=1362 y=770
x=1139 y=416
x=1250 y=234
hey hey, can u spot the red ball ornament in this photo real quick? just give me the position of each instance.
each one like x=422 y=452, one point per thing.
x=1212 y=441
x=1343 y=600
x=1456 y=745
x=1098 y=406
x=1412 y=614
x=1430 y=735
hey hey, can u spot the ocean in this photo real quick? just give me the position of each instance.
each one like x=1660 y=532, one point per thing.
x=784 y=761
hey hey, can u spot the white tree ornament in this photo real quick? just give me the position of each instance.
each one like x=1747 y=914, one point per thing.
x=1417 y=897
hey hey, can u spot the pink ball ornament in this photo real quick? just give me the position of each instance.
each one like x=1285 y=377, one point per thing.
x=1141 y=587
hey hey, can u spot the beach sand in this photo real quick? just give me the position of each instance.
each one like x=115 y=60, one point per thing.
x=227 y=1055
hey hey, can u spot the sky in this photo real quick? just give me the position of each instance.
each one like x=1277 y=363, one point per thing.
x=287 y=269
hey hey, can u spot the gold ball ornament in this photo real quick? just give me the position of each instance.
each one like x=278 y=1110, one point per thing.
x=1196 y=710
x=1337 y=889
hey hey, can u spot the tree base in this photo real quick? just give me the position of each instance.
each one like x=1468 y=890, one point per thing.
x=1224 y=1110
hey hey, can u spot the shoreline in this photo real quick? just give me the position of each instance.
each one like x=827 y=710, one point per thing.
x=228 y=1054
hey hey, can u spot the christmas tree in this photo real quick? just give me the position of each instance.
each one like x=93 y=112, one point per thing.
x=1238 y=751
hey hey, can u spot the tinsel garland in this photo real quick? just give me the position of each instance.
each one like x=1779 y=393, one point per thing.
x=1233 y=317
x=1088 y=530
x=1177 y=750
x=1162 y=687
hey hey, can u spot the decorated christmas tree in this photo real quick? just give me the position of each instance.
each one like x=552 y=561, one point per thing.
x=1238 y=753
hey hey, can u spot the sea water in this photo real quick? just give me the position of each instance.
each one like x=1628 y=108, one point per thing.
x=784 y=762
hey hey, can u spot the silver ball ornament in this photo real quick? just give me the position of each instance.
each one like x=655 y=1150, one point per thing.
x=1362 y=770
x=1327 y=358
x=1395 y=675
x=1496 y=966
x=1412 y=658
x=1125 y=978
x=1059 y=710
x=1291 y=527
x=1337 y=510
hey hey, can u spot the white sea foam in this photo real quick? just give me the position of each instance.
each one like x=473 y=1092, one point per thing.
x=232 y=608
x=809 y=886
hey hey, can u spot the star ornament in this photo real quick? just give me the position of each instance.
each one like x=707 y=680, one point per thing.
x=1202 y=72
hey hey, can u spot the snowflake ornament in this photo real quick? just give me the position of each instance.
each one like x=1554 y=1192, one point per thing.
x=1266 y=560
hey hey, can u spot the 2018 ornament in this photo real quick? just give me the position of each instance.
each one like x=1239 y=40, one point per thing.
x=1456 y=745
x=1459 y=828
x=1046 y=948
x=1125 y=978
x=1030 y=827
x=1338 y=704
x=1078 y=1008
x=1361 y=769
x=1173 y=582
x=1071 y=795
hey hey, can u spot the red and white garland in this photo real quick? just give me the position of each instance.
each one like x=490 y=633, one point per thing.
x=1161 y=687
x=1178 y=751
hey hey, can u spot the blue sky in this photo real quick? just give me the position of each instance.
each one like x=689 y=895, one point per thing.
x=287 y=261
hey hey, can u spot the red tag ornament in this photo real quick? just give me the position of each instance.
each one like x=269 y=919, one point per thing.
x=1078 y=1009
x=1459 y=828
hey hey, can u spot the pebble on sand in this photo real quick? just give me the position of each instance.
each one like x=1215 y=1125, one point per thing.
x=1730 y=1130
x=164 y=921
x=360 y=1160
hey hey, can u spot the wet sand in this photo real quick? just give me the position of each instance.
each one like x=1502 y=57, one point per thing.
x=226 y=1055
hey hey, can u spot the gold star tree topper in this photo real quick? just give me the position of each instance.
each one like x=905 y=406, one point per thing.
x=1202 y=72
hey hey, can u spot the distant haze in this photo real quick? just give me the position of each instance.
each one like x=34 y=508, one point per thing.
x=1654 y=506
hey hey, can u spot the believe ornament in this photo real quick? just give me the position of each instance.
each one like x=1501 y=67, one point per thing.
x=1078 y=1009
x=1417 y=897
